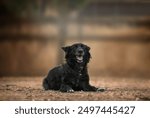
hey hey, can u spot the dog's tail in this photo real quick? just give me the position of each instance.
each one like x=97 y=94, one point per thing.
x=45 y=84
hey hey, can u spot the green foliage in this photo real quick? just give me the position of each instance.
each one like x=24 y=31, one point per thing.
x=17 y=7
x=70 y=3
x=21 y=7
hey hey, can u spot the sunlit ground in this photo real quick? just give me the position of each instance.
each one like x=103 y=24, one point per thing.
x=30 y=88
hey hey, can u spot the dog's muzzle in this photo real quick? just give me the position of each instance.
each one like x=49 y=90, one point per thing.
x=79 y=56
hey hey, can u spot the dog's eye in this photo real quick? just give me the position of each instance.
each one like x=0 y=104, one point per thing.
x=76 y=46
x=81 y=46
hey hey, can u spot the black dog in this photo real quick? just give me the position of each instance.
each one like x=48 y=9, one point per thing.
x=72 y=76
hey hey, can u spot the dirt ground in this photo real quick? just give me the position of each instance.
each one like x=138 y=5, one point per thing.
x=30 y=88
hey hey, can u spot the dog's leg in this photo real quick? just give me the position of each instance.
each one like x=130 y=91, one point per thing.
x=66 y=88
x=45 y=84
x=101 y=89
x=88 y=87
x=92 y=88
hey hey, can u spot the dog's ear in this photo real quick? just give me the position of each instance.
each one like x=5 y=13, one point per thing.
x=66 y=49
x=88 y=53
x=88 y=48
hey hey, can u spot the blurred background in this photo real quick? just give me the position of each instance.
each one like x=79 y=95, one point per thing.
x=32 y=33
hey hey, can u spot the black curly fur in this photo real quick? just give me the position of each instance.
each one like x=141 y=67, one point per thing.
x=72 y=76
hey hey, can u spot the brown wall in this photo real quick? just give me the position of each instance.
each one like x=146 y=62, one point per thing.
x=108 y=57
x=26 y=57
x=120 y=58
x=28 y=50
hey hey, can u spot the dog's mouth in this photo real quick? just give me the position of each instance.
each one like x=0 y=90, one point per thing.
x=79 y=58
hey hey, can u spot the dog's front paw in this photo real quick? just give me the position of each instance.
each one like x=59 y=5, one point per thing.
x=100 y=89
x=70 y=91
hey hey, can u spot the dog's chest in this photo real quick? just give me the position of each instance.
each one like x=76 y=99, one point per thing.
x=80 y=73
x=76 y=79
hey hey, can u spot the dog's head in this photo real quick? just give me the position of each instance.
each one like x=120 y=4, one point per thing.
x=78 y=53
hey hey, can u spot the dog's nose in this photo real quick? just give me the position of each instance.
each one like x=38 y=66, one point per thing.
x=80 y=51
